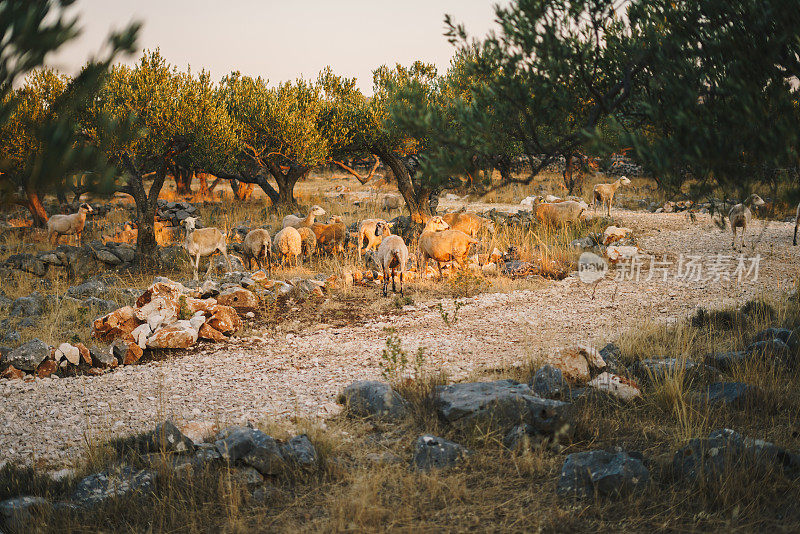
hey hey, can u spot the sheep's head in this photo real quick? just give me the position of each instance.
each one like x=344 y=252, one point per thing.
x=85 y=208
x=334 y=219
x=436 y=224
x=189 y=223
x=754 y=201
x=316 y=211
x=624 y=180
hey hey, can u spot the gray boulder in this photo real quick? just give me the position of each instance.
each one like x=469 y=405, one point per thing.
x=28 y=263
x=30 y=306
x=724 y=450
x=519 y=437
x=771 y=350
x=19 y=514
x=549 y=382
x=102 y=357
x=300 y=451
x=659 y=368
x=265 y=455
x=122 y=481
x=235 y=442
x=371 y=398
x=431 y=452
x=502 y=402
x=106 y=256
x=612 y=355
x=782 y=334
x=602 y=473
x=90 y=288
x=726 y=361
x=28 y=356
x=735 y=394
x=100 y=305
x=168 y=438
x=12 y=336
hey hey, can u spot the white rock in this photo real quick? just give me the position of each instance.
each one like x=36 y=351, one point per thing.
x=616 y=385
x=70 y=352
x=140 y=334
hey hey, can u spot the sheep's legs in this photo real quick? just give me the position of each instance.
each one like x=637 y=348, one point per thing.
x=196 y=267
x=385 y=282
x=394 y=289
x=401 y=283
x=210 y=264
x=795 y=233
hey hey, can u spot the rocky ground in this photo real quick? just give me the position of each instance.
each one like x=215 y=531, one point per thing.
x=285 y=374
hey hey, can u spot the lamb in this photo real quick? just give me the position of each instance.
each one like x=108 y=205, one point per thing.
x=307 y=221
x=331 y=236
x=796 y=224
x=559 y=212
x=258 y=244
x=373 y=231
x=469 y=223
x=309 y=241
x=604 y=193
x=288 y=244
x=58 y=225
x=204 y=242
x=740 y=216
x=392 y=255
x=441 y=244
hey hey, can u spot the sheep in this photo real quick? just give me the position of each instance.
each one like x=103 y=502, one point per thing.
x=392 y=255
x=559 y=212
x=307 y=221
x=604 y=193
x=58 y=225
x=740 y=216
x=204 y=242
x=441 y=244
x=309 y=241
x=469 y=223
x=331 y=236
x=390 y=202
x=373 y=231
x=257 y=244
x=796 y=224
x=288 y=243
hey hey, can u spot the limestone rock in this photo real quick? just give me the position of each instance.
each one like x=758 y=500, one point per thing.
x=603 y=473
x=367 y=398
x=431 y=452
x=28 y=356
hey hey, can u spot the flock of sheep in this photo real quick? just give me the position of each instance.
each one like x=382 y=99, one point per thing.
x=445 y=238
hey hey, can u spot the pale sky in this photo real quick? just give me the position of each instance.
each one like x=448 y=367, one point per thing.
x=281 y=40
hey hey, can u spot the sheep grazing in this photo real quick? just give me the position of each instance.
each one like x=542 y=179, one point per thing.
x=392 y=256
x=257 y=245
x=297 y=222
x=441 y=244
x=469 y=223
x=58 y=225
x=796 y=224
x=288 y=244
x=331 y=236
x=390 y=202
x=204 y=242
x=556 y=213
x=371 y=232
x=604 y=193
x=741 y=214
x=309 y=241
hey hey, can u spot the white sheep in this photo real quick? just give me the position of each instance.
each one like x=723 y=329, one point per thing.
x=372 y=231
x=257 y=245
x=604 y=193
x=392 y=255
x=309 y=241
x=296 y=222
x=796 y=224
x=58 y=225
x=204 y=242
x=288 y=243
x=741 y=214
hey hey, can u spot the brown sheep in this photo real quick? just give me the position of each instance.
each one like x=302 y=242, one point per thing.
x=441 y=244
x=296 y=222
x=392 y=256
x=331 y=236
x=371 y=232
x=309 y=241
x=740 y=216
x=58 y=225
x=557 y=213
x=469 y=223
x=258 y=245
x=604 y=193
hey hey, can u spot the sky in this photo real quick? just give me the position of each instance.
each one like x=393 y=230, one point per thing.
x=280 y=40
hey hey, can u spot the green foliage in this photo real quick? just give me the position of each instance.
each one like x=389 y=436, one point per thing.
x=395 y=360
x=448 y=320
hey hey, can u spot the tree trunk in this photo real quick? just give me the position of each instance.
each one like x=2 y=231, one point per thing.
x=146 y=244
x=286 y=182
x=203 y=193
x=34 y=205
x=241 y=191
x=417 y=199
x=183 y=182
